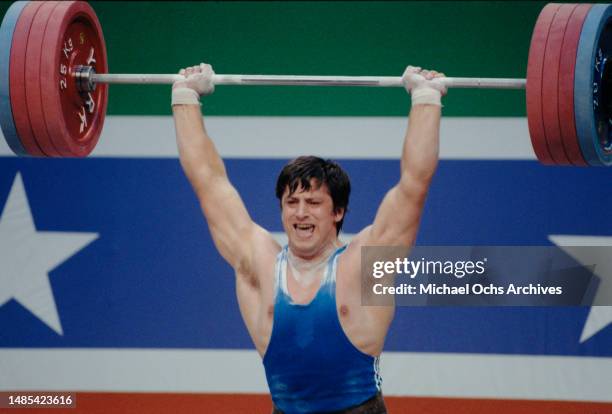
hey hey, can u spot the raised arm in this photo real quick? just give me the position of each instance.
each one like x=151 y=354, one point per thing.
x=399 y=214
x=229 y=222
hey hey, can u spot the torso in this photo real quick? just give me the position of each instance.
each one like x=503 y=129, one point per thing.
x=365 y=326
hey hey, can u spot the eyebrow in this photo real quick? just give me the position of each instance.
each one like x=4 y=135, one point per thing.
x=314 y=198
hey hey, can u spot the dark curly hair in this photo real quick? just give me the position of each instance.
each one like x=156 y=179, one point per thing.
x=303 y=169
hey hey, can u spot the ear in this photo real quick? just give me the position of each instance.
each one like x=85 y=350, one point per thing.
x=338 y=214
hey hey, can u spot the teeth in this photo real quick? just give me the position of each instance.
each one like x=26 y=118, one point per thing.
x=304 y=227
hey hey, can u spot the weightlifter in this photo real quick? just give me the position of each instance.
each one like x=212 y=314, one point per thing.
x=302 y=303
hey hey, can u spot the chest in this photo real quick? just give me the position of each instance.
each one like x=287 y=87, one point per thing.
x=346 y=293
x=302 y=290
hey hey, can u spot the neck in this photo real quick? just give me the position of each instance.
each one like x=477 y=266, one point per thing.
x=322 y=252
x=305 y=270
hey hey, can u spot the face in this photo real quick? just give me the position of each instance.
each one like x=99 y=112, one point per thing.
x=309 y=220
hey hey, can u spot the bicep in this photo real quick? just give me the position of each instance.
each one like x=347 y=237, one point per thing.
x=398 y=217
x=230 y=224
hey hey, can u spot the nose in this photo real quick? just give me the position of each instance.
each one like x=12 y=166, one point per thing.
x=302 y=210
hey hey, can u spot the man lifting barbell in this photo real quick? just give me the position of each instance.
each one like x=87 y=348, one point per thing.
x=302 y=303
x=53 y=97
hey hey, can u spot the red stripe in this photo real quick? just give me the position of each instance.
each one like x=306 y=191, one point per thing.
x=119 y=403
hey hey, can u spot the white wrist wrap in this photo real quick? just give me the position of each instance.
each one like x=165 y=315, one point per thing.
x=426 y=96
x=185 y=96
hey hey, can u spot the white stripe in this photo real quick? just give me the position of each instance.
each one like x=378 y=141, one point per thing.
x=132 y=370
x=225 y=371
x=377 y=376
x=497 y=376
x=333 y=137
x=283 y=274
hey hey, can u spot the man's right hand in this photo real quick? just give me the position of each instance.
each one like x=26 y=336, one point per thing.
x=198 y=81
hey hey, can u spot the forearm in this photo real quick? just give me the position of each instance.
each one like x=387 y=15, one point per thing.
x=421 y=144
x=397 y=220
x=229 y=222
x=198 y=155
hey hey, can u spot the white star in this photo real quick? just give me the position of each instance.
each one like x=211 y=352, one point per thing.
x=598 y=255
x=27 y=256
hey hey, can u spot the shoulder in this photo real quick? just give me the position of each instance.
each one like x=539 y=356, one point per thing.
x=349 y=260
x=265 y=247
x=357 y=242
x=262 y=258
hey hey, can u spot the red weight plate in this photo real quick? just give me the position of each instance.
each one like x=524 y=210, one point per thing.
x=17 y=79
x=535 y=70
x=550 y=90
x=73 y=37
x=567 y=66
x=32 y=78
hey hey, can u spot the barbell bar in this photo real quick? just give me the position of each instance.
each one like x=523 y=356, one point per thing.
x=54 y=81
x=298 y=80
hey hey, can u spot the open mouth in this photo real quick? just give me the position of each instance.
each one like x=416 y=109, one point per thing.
x=304 y=230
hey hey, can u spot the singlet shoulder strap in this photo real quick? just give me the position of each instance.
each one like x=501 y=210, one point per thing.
x=280 y=279
x=330 y=272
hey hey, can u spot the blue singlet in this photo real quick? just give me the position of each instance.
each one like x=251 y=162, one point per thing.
x=311 y=366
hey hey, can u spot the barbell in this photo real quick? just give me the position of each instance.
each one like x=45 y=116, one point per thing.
x=54 y=81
